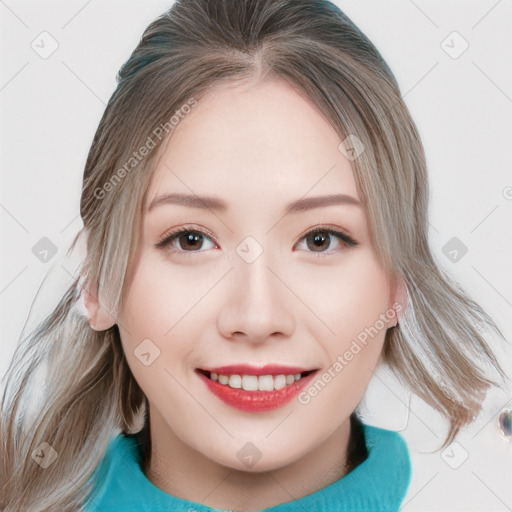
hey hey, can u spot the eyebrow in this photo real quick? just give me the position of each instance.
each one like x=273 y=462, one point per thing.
x=214 y=203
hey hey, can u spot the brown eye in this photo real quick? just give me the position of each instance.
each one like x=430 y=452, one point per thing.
x=190 y=240
x=185 y=240
x=321 y=239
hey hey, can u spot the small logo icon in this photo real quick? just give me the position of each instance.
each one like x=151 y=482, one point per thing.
x=146 y=352
x=44 y=455
x=45 y=45
x=249 y=249
x=507 y=193
x=44 y=250
x=454 y=455
x=351 y=147
x=249 y=454
x=454 y=45
x=454 y=249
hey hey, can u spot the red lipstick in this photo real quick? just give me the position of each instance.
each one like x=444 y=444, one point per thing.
x=256 y=401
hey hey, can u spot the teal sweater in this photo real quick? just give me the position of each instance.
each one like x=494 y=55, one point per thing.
x=378 y=484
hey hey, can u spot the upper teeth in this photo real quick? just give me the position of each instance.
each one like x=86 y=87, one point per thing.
x=255 y=382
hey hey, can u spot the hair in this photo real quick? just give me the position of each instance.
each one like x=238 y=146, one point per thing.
x=438 y=349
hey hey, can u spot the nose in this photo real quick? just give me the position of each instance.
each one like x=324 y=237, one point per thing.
x=257 y=304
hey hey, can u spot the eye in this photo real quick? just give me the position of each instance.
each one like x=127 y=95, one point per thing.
x=187 y=240
x=184 y=240
x=320 y=239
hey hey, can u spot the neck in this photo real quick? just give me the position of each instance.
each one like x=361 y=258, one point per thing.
x=183 y=472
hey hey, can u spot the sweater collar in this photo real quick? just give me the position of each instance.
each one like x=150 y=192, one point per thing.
x=379 y=483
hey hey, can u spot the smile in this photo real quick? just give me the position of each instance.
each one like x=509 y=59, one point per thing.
x=255 y=382
x=255 y=389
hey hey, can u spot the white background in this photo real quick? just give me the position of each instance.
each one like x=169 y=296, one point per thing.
x=50 y=109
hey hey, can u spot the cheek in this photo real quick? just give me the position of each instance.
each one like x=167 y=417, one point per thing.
x=160 y=295
x=164 y=307
x=152 y=336
x=356 y=298
x=347 y=296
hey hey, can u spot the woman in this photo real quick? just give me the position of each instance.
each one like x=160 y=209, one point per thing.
x=255 y=224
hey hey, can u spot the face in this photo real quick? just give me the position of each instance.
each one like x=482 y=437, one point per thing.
x=240 y=277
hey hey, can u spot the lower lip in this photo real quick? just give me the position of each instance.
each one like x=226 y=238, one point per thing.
x=256 y=401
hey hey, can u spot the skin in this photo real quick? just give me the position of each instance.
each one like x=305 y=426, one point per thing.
x=257 y=146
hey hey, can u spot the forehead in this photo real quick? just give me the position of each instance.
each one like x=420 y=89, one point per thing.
x=253 y=140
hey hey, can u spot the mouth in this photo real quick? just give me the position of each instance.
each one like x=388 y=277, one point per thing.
x=254 y=382
x=255 y=389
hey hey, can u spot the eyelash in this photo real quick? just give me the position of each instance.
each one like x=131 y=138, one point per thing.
x=168 y=238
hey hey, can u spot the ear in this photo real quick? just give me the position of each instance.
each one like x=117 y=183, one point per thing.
x=397 y=299
x=99 y=319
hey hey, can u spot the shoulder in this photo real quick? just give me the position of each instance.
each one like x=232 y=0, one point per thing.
x=108 y=480
x=390 y=462
x=386 y=439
